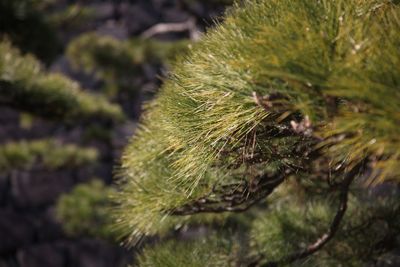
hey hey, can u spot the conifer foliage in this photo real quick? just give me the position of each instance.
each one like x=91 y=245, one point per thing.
x=119 y=63
x=47 y=152
x=286 y=117
x=26 y=86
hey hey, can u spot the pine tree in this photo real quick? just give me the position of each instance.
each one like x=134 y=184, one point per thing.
x=33 y=96
x=276 y=133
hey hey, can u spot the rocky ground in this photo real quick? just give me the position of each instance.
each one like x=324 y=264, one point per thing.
x=30 y=236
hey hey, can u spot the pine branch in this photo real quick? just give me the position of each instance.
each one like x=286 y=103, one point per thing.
x=46 y=153
x=333 y=228
x=26 y=86
x=235 y=197
x=332 y=94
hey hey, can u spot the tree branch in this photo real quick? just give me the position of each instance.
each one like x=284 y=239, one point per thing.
x=235 y=197
x=189 y=25
x=334 y=227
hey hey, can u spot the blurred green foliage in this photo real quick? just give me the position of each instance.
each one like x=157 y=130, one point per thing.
x=73 y=17
x=119 y=63
x=212 y=252
x=49 y=154
x=85 y=211
x=25 y=85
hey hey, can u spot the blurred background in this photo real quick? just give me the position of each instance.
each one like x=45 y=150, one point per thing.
x=56 y=169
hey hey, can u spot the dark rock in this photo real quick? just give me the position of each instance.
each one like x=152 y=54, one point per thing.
x=95 y=253
x=139 y=18
x=122 y=135
x=175 y=15
x=63 y=65
x=15 y=231
x=196 y=8
x=47 y=227
x=9 y=121
x=113 y=29
x=84 y=175
x=103 y=10
x=41 y=256
x=150 y=72
x=162 y=4
x=8 y=115
x=38 y=188
x=4 y=188
x=11 y=129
